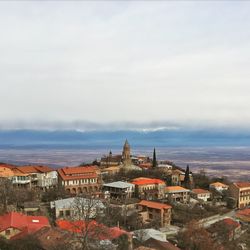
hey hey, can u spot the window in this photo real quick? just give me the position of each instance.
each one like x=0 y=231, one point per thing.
x=67 y=212
x=61 y=213
x=7 y=232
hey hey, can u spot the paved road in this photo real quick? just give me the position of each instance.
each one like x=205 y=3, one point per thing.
x=206 y=222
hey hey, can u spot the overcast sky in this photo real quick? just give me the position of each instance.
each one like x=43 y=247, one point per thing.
x=162 y=63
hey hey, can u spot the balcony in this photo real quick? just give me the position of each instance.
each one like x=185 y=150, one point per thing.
x=14 y=181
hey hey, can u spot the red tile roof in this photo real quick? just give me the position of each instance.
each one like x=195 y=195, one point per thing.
x=74 y=173
x=230 y=222
x=49 y=237
x=200 y=191
x=96 y=230
x=145 y=165
x=79 y=170
x=242 y=184
x=26 y=224
x=6 y=165
x=245 y=212
x=34 y=169
x=146 y=181
x=153 y=204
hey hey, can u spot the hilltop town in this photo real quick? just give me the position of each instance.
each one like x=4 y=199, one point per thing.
x=121 y=201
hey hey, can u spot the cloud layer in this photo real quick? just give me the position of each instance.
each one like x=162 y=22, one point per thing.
x=128 y=62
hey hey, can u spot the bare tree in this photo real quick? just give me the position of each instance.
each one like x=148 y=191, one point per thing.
x=88 y=231
x=6 y=194
x=195 y=237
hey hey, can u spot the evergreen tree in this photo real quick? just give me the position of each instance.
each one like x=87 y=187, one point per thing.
x=187 y=182
x=154 y=159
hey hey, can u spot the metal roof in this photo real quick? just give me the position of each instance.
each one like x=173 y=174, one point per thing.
x=119 y=184
x=71 y=202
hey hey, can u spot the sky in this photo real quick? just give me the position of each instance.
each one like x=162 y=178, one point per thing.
x=121 y=64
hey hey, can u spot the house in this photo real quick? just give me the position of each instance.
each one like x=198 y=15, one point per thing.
x=5 y=171
x=160 y=245
x=94 y=230
x=68 y=208
x=119 y=190
x=144 y=234
x=177 y=194
x=76 y=180
x=201 y=194
x=243 y=215
x=225 y=230
x=17 y=177
x=240 y=191
x=146 y=165
x=54 y=237
x=42 y=177
x=154 y=239
x=155 y=212
x=141 y=159
x=218 y=186
x=165 y=166
x=111 y=160
x=30 y=207
x=148 y=188
x=110 y=170
x=178 y=176
x=15 y=225
x=20 y=179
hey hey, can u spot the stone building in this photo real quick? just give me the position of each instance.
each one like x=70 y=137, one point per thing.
x=240 y=191
x=127 y=163
x=201 y=194
x=177 y=194
x=178 y=176
x=218 y=186
x=70 y=207
x=84 y=179
x=149 y=188
x=111 y=160
x=42 y=177
x=155 y=212
x=119 y=190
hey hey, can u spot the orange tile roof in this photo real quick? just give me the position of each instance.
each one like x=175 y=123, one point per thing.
x=242 y=184
x=29 y=169
x=17 y=172
x=176 y=188
x=6 y=165
x=218 y=184
x=76 y=173
x=200 y=191
x=6 y=172
x=153 y=204
x=146 y=181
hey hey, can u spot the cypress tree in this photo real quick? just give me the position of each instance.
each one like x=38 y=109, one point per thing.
x=187 y=181
x=154 y=159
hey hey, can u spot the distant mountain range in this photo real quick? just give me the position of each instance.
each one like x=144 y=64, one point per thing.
x=157 y=138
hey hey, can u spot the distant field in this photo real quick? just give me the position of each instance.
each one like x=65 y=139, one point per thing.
x=216 y=161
